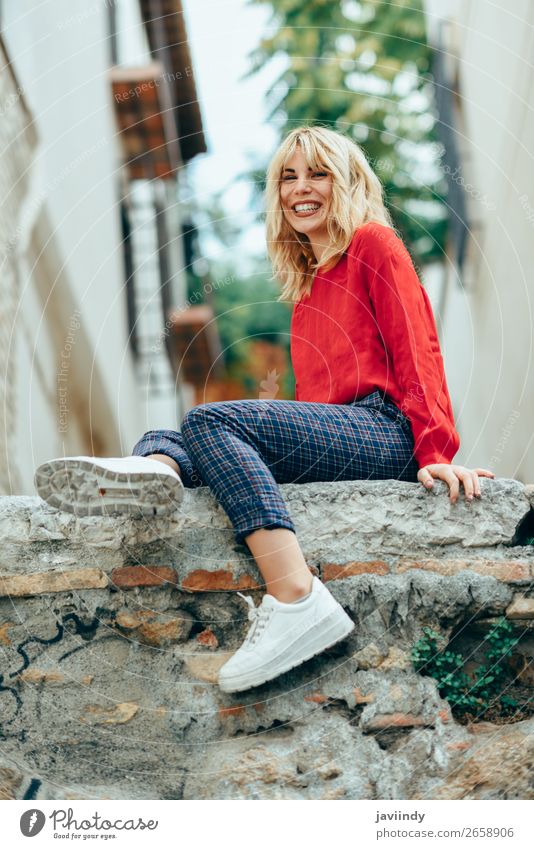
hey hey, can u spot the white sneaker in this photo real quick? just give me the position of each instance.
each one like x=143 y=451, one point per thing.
x=283 y=636
x=100 y=486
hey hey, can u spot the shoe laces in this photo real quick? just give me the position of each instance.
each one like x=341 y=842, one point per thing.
x=259 y=616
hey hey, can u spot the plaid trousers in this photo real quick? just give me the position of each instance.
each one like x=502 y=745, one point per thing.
x=242 y=450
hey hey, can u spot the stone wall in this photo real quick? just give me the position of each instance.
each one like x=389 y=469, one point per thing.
x=112 y=632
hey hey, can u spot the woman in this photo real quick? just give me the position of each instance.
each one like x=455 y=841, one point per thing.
x=371 y=402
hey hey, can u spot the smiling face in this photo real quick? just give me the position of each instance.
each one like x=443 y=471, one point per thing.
x=305 y=197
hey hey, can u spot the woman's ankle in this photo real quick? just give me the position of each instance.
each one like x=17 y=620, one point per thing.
x=281 y=563
x=289 y=591
x=164 y=458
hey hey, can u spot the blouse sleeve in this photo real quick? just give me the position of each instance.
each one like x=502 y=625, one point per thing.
x=408 y=332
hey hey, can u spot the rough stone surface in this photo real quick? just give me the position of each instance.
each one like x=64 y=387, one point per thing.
x=521 y=608
x=109 y=680
x=498 y=765
x=337 y=523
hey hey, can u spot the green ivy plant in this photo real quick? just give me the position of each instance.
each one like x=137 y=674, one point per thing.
x=465 y=693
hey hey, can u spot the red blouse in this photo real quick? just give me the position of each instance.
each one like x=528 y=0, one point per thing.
x=367 y=325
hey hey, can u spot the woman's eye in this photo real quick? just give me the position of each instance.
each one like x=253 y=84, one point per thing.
x=315 y=174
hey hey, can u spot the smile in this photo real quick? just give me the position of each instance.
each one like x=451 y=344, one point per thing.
x=305 y=209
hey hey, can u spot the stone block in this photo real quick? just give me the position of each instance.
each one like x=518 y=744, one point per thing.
x=207 y=638
x=153 y=628
x=52 y=582
x=32 y=675
x=204 y=580
x=396 y=658
x=363 y=698
x=316 y=698
x=117 y=715
x=143 y=576
x=5 y=628
x=503 y=570
x=369 y=657
x=529 y=492
x=205 y=667
x=397 y=720
x=10 y=781
x=335 y=571
x=520 y=608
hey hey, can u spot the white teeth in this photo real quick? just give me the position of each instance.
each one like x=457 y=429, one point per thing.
x=306 y=207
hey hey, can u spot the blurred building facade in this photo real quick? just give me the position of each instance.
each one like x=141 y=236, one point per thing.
x=484 y=77
x=99 y=118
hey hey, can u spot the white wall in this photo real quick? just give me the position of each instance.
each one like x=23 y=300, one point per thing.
x=61 y=57
x=489 y=326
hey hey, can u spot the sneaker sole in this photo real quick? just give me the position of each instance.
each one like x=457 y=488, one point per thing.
x=88 y=489
x=332 y=629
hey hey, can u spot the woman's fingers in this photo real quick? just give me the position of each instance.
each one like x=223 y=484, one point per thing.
x=454 y=485
x=424 y=476
x=468 y=479
x=452 y=475
x=443 y=472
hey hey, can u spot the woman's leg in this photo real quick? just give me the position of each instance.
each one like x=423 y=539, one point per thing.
x=243 y=449
x=281 y=562
x=167 y=460
x=167 y=446
x=277 y=552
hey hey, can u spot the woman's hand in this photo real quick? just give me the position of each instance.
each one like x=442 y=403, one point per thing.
x=452 y=475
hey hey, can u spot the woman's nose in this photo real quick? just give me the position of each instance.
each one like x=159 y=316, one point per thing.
x=302 y=184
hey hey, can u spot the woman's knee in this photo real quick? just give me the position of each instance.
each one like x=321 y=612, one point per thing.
x=205 y=413
x=200 y=420
x=150 y=439
x=196 y=417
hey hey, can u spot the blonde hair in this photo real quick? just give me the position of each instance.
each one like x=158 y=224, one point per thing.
x=357 y=197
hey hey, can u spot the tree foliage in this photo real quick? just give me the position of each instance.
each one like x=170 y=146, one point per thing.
x=248 y=310
x=364 y=68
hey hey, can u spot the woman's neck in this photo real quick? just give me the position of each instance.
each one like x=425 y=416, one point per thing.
x=319 y=245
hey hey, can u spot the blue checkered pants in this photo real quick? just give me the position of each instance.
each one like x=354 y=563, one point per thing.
x=242 y=450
